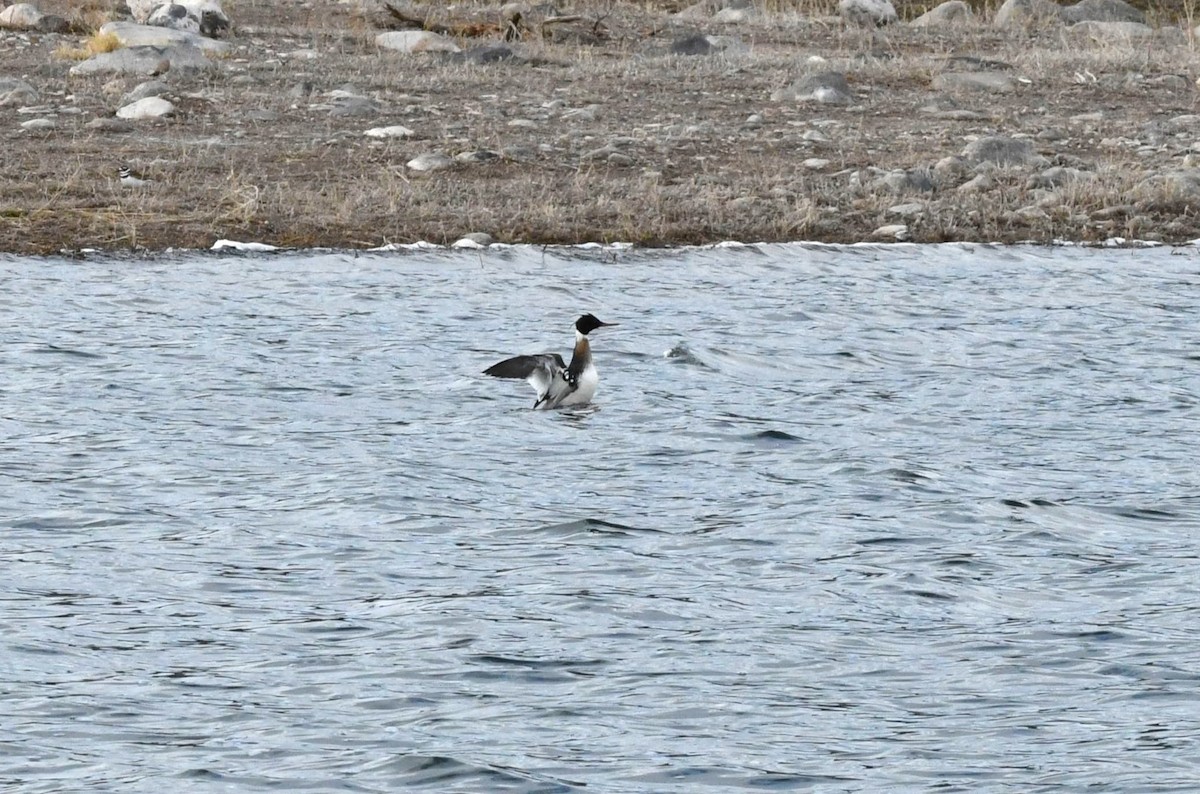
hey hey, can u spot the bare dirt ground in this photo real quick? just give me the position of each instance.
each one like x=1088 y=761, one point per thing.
x=255 y=150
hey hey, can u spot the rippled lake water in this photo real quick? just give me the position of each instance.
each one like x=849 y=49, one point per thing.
x=841 y=519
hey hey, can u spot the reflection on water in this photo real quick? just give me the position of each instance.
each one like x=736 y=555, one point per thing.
x=841 y=519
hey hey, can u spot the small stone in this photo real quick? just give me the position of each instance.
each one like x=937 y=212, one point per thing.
x=349 y=106
x=949 y=14
x=130 y=34
x=415 y=41
x=143 y=90
x=301 y=90
x=696 y=44
x=918 y=180
x=620 y=160
x=105 y=124
x=1055 y=177
x=816 y=163
x=1027 y=13
x=868 y=13
x=491 y=53
x=909 y=210
x=394 y=131
x=734 y=15
x=52 y=23
x=1002 y=151
x=148 y=108
x=474 y=240
x=430 y=161
x=476 y=157
x=41 y=124
x=823 y=87
x=1102 y=11
x=892 y=231
x=978 y=184
x=145 y=60
x=1111 y=32
x=973 y=81
x=14 y=93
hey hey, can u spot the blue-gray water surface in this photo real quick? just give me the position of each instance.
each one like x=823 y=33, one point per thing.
x=840 y=519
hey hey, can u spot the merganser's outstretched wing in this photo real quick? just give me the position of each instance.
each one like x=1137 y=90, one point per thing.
x=546 y=373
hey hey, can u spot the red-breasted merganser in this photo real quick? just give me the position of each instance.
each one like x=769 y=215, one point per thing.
x=556 y=383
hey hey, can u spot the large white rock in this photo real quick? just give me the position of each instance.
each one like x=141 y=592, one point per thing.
x=133 y=35
x=415 y=41
x=151 y=107
x=21 y=16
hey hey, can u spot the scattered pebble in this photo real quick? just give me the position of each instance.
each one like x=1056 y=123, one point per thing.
x=394 y=131
x=148 y=108
x=430 y=161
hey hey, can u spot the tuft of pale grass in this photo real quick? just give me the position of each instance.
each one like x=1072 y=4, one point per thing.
x=96 y=44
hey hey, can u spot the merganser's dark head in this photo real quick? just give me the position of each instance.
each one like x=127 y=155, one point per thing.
x=588 y=323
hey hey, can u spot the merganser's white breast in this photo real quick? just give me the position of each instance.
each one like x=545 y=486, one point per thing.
x=556 y=383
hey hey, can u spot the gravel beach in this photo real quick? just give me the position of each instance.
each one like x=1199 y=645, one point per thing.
x=344 y=125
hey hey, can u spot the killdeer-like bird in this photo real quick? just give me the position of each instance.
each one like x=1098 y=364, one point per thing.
x=129 y=178
x=556 y=383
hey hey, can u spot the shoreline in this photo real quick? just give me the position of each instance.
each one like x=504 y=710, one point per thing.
x=956 y=133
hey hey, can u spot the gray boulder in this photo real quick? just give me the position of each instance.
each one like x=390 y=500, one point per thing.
x=1002 y=151
x=1114 y=32
x=1027 y=13
x=823 y=87
x=175 y=17
x=22 y=16
x=145 y=61
x=916 y=180
x=996 y=82
x=207 y=16
x=868 y=13
x=489 y=53
x=15 y=93
x=949 y=14
x=1176 y=186
x=131 y=34
x=1102 y=11
x=147 y=89
x=697 y=44
x=413 y=41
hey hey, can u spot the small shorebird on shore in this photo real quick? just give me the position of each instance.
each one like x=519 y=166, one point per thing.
x=130 y=178
x=557 y=383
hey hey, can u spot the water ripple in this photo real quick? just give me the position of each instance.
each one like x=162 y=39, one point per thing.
x=881 y=519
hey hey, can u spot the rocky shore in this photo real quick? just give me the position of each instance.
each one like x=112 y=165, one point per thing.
x=358 y=124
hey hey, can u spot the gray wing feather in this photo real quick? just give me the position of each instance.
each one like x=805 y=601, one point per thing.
x=546 y=373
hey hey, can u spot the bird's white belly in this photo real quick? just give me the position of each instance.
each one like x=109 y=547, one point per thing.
x=588 y=380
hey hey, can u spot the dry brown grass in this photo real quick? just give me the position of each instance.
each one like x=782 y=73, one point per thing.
x=700 y=170
x=95 y=44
